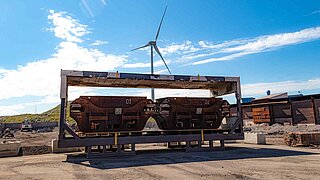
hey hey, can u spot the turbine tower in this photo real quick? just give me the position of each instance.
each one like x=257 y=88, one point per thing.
x=153 y=45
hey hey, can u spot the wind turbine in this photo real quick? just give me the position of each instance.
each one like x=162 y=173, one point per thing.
x=153 y=45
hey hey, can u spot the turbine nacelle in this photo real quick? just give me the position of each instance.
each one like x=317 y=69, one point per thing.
x=152 y=43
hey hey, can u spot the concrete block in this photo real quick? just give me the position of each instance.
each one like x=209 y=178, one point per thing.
x=55 y=148
x=9 y=148
x=254 y=138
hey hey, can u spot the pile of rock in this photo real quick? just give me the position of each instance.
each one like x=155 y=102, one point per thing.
x=302 y=138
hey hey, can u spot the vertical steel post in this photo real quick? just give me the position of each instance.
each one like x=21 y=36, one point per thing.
x=152 y=90
x=62 y=115
x=64 y=98
x=314 y=110
x=238 y=97
x=222 y=143
x=211 y=144
x=292 y=112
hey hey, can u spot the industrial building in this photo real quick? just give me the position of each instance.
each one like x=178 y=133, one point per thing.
x=282 y=109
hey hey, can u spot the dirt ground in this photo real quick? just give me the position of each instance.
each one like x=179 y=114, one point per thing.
x=238 y=161
x=33 y=143
x=40 y=143
x=36 y=139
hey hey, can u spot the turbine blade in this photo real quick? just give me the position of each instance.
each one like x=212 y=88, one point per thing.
x=157 y=50
x=165 y=10
x=140 y=47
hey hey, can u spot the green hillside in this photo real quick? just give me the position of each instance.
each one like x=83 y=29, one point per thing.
x=48 y=116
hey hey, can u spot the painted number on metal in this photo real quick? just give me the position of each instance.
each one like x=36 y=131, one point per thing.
x=128 y=101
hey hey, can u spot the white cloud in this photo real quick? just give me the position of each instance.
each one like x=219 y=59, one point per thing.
x=205 y=51
x=210 y=45
x=315 y=12
x=278 y=40
x=144 y=65
x=235 y=49
x=282 y=86
x=66 y=28
x=103 y=2
x=11 y=109
x=184 y=47
x=223 y=58
x=254 y=89
x=161 y=71
x=98 y=43
x=42 y=78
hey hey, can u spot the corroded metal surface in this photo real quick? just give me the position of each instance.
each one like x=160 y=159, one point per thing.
x=281 y=113
x=111 y=113
x=218 y=85
x=261 y=114
x=295 y=110
x=190 y=113
x=303 y=112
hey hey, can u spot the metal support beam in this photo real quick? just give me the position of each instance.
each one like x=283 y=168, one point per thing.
x=216 y=84
x=152 y=71
x=211 y=144
x=96 y=141
x=133 y=148
x=239 y=122
x=62 y=115
x=222 y=143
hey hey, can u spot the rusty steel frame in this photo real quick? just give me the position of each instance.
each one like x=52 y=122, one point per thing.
x=217 y=85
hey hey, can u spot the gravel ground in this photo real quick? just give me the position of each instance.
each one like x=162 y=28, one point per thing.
x=275 y=133
x=238 y=161
x=39 y=143
x=278 y=129
x=33 y=143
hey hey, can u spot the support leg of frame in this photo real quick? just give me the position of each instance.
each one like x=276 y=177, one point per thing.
x=133 y=149
x=118 y=148
x=211 y=144
x=222 y=144
x=104 y=149
x=199 y=144
x=89 y=151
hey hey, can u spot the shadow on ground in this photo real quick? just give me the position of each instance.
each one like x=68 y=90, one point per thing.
x=169 y=156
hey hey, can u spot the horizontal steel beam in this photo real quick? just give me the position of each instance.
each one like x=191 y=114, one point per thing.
x=99 y=141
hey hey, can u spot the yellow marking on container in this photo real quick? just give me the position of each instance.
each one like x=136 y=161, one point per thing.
x=202 y=135
x=115 y=138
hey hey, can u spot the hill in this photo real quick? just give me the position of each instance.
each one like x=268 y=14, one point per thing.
x=48 y=116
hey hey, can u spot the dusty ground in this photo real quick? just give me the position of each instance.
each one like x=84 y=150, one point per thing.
x=35 y=143
x=238 y=161
x=36 y=139
x=278 y=129
x=39 y=143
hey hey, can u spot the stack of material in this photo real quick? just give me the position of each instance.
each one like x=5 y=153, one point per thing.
x=302 y=138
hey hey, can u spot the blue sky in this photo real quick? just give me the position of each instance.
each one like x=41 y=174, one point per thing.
x=270 y=44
